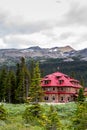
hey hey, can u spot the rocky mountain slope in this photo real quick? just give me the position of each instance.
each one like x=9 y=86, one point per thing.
x=66 y=53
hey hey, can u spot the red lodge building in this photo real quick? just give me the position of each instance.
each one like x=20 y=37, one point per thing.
x=85 y=92
x=59 y=87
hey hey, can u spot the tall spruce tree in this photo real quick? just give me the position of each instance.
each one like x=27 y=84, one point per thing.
x=35 y=92
x=22 y=81
x=79 y=121
x=10 y=87
x=32 y=66
x=53 y=120
x=3 y=78
x=81 y=97
x=82 y=82
x=73 y=75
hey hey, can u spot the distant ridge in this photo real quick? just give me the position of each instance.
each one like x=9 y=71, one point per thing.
x=63 y=49
x=35 y=47
x=11 y=56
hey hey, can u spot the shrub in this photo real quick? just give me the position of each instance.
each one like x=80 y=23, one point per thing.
x=53 y=120
x=79 y=120
x=3 y=113
x=33 y=114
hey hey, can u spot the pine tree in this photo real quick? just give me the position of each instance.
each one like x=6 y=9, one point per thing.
x=33 y=114
x=73 y=74
x=3 y=113
x=32 y=66
x=3 y=78
x=10 y=87
x=53 y=121
x=22 y=81
x=79 y=121
x=81 y=97
x=35 y=92
x=82 y=82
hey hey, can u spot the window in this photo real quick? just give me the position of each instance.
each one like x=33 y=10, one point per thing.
x=43 y=88
x=61 y=98
x=48 y=89
x=68 y=98
x=76 y=91
x=62 y=88
x=58 y=77
x=61 y=81
x=66 y=76
x=53 y=88
x=46 y=77
x=46 y=98
x=46 y=81
x=53 y=98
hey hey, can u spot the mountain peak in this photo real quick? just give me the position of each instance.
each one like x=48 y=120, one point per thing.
x=35 y=48
x=66 y=49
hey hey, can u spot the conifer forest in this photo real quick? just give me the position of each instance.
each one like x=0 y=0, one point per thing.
x=21 y=105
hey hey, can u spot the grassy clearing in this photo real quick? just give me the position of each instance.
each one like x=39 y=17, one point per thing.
x=16 y=122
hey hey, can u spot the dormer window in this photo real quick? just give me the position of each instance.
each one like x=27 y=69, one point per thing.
x=58 y=77
x=66 y=76
x=73 y=82
x=46 y=77
x=46 y=81
x=61 y=81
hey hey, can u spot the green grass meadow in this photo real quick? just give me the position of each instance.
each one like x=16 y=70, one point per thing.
x=15 y=112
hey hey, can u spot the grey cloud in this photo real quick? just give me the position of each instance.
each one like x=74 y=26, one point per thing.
x=77 y=14
x=17 y=42
x=81 y=39
x=33 y=27
x=15 y=25
x=84 y=37
x=66 y=35
x=48 y=33
x=3 y=16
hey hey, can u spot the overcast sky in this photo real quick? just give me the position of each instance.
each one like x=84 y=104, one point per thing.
x=44 y=23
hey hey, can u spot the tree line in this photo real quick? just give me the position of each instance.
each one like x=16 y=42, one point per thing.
x=17 y=86
x=24 y=81
x=77 y=68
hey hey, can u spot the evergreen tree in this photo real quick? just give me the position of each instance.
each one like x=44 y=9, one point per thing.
x=52 y=122
x=10 y=87
x=82 y=82
x=3 y=113
x=81 y=97
x=22 y=81
x=32 y=66
x=17 y=73
x=33 y=114
x=13 y=87
x=3 y=78
x=35 y=92
x=73 y=74
x=80 y=118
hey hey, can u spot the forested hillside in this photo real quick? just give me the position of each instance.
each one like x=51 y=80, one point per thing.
x=16 y=84
x=76 y=69
x=15 y=81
